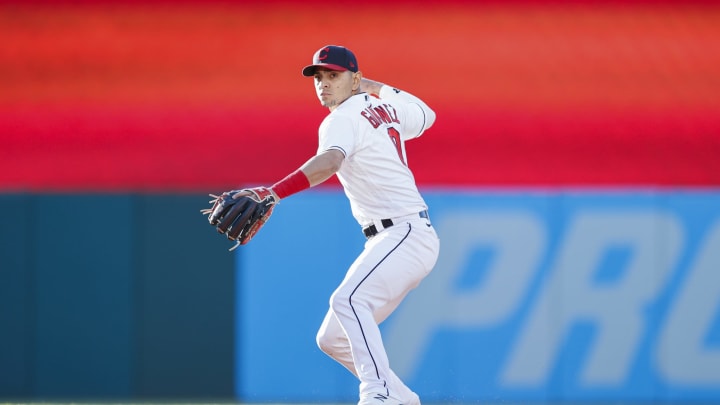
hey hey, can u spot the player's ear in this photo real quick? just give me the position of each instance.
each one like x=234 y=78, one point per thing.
x=357 y=77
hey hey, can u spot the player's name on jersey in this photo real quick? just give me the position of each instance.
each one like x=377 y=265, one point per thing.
x=377 y=115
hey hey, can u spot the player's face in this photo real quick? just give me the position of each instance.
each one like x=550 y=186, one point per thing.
x=334 y=87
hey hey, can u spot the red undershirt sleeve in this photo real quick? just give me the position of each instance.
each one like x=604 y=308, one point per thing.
x=293 y=183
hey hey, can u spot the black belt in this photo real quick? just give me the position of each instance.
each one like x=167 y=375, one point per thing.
x=371 y=230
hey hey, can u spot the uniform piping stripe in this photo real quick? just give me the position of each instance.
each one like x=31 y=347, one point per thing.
x=422 y=129
x=377 y=372
x=337 y=148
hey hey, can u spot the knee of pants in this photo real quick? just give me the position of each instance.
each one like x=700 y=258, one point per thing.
x=328 y=341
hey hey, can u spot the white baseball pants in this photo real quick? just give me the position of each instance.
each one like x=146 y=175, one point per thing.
x=393 y=262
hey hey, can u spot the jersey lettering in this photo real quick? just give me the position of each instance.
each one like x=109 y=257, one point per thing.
x=395 y=137
x=380 y=114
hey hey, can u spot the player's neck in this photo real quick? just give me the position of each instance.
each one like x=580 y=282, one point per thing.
x=334 y=106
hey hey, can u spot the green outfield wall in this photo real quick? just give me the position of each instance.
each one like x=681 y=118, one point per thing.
x=109 y=296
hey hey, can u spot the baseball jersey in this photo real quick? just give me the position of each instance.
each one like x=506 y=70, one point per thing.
x=371 y=133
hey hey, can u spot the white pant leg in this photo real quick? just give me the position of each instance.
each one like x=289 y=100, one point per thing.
x=393 y=263
x=332 y=340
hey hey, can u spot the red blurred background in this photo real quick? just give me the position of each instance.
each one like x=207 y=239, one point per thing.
x=202 y=96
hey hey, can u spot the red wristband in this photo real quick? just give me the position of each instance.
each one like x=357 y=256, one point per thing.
x=294 y=182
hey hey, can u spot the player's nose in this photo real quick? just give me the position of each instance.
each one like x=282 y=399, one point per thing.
x=320 y=83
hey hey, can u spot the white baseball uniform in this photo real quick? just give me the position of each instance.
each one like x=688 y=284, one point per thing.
x=371 y=132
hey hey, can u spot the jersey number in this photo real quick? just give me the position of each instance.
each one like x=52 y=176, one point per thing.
x=395 y=138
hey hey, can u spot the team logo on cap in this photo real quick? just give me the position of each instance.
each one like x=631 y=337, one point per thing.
x=324 y=53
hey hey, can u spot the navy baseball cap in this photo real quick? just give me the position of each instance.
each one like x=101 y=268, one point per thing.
x=332 y=57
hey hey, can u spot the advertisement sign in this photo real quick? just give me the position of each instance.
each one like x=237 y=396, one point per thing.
x=579 y=296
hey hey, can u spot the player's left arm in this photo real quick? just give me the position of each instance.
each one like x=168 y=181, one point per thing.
x=316 y=170
x=322 y=166
x=328 y=160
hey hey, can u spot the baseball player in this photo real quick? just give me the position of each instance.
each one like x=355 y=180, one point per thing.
x=362 y=142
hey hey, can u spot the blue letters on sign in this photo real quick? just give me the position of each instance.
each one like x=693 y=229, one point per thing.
x=537 y=296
